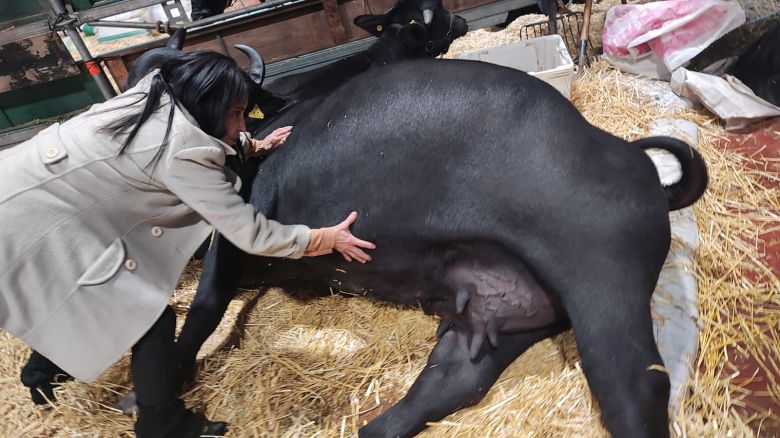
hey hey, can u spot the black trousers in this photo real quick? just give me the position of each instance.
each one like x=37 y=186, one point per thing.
x=207 y=8
x=155 y=377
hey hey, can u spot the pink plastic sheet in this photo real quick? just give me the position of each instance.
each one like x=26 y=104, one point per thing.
x=654 y=39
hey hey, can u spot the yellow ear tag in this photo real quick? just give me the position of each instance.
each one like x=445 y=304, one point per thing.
x=256 y=113
x=379 y=28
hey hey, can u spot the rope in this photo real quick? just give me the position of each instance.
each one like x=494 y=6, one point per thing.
x=59 y=20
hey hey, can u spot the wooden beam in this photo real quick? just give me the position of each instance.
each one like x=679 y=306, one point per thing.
x=337 y=29
x=118 y=70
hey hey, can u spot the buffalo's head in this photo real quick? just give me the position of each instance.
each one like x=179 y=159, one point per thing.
x=154 y=58
x=423 y=26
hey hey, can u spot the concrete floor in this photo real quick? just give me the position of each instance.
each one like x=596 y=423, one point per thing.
x=762 y=139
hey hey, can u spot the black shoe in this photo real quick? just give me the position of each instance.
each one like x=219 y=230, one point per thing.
x=214 y=429
x=44 y=393
x=41 y=375
x=173 y=420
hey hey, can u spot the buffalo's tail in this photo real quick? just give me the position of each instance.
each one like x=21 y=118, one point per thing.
x=693 y=181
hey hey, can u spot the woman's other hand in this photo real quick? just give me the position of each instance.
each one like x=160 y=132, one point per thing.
x=270 y=142
x=338 y=237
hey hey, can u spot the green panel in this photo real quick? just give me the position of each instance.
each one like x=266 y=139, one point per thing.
x=4 y=122
x=50 y=99
x=18 y=12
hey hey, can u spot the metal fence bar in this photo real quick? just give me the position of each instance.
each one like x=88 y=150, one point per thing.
x=93 y=67
x=475 y=17
x=41 y=27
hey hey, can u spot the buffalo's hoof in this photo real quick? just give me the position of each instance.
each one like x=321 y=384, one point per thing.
x=127 y=405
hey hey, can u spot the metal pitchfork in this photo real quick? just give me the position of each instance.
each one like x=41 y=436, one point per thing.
x=584 y=41
x=584 y=37
x=567 y=24
x=570 y=26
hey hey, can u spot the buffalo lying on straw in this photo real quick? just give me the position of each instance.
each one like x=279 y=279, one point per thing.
x=323 y=368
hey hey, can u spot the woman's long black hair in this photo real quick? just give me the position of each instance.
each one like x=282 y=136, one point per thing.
x=205 y=83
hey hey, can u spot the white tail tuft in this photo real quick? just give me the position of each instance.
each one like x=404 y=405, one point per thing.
x=668 y=167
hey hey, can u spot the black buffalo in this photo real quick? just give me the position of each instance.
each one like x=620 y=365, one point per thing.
x=411 y=29
x=758 y=66
x=495 y=205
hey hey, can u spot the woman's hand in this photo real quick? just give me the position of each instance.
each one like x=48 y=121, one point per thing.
x=271 y=142
x=325 y=240
x=348 y=245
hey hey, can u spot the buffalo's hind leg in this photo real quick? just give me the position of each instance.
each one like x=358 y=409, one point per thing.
x=223 y=268
x=451 y=380
x=614 y=333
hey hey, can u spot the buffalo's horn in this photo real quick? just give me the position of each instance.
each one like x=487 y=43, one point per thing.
x=256 y=66
x=147 y=62
x=461 y=299
x=444 y=325
x=176 y=41
x=492 y=331
x=477 y=339
x=427 y=16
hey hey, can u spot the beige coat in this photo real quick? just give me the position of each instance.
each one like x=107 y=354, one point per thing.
x=92 y=244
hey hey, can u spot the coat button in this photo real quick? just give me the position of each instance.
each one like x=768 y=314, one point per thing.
x=131 y=265
x=52 y=152
x=157 y=231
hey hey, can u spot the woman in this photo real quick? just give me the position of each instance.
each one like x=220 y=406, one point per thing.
x=100 y=214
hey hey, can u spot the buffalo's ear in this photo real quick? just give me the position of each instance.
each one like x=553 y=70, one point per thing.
x=373 y=24
x=266 y=104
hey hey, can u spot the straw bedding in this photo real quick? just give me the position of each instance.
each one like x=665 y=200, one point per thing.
x=323 y=368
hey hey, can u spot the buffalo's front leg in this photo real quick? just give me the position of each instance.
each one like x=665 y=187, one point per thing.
x=223 y=267
x=451 y=381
